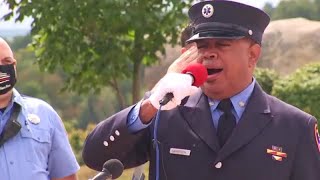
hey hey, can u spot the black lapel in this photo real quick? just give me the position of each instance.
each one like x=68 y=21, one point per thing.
x=254 y=119
x=197 y=113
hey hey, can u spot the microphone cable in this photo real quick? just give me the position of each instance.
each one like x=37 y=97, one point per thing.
x=200 y=75
x=156 y=143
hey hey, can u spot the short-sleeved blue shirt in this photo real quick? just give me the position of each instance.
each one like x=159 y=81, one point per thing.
x=41 y=150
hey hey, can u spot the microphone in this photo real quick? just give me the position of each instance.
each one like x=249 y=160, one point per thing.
x=112 y=169
x=199 y=75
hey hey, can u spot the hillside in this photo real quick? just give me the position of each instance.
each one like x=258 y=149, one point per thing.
x=288 y=44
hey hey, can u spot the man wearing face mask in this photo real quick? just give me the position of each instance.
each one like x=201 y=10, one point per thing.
x=33 y=142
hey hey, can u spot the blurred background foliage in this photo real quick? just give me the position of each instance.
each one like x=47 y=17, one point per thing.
x=97 y=51
x=100 y=43
x=309 y=9
x=266 y=78
x=301 y=88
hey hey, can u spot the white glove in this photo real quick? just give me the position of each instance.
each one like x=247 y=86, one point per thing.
x=180 y=85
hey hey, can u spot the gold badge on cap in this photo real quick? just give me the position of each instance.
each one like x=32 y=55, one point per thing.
x=207 y=10
x=33 y=118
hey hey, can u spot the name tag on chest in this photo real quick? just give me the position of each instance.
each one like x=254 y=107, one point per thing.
x=182 y=152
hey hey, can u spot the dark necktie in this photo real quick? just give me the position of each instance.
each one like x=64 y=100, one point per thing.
x=227 y=121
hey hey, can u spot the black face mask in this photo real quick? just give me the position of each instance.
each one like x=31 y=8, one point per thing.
x=7 y=78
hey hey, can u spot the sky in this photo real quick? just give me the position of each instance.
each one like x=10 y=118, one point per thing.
x=258 y=3
x=26 y=23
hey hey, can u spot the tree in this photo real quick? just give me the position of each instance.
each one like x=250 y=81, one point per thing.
x=268 y=8
x=90 y=108
x=296 y=8
x=20 y=42
x=301 y=89
x=97 y=43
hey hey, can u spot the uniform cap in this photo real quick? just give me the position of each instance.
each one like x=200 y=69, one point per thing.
x=227 y=20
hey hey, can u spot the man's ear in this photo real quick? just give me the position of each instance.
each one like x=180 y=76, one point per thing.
x=14 y=62
x=254 y=54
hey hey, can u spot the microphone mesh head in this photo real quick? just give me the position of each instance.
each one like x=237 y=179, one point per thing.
x=199 y=73
x=114 y=166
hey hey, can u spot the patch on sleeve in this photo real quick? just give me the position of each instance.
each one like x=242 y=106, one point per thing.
x=317 y=136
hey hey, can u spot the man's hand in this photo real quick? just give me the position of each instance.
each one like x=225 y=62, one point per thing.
x=180 y=85
x=191 y=55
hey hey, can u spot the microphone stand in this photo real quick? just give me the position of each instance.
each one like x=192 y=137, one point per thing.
x=102 y=176
x=138 y=173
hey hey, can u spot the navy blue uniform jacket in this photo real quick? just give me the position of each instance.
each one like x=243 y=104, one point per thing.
x=272 y=141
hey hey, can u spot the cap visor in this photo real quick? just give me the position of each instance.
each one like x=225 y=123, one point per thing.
x=213 y=35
